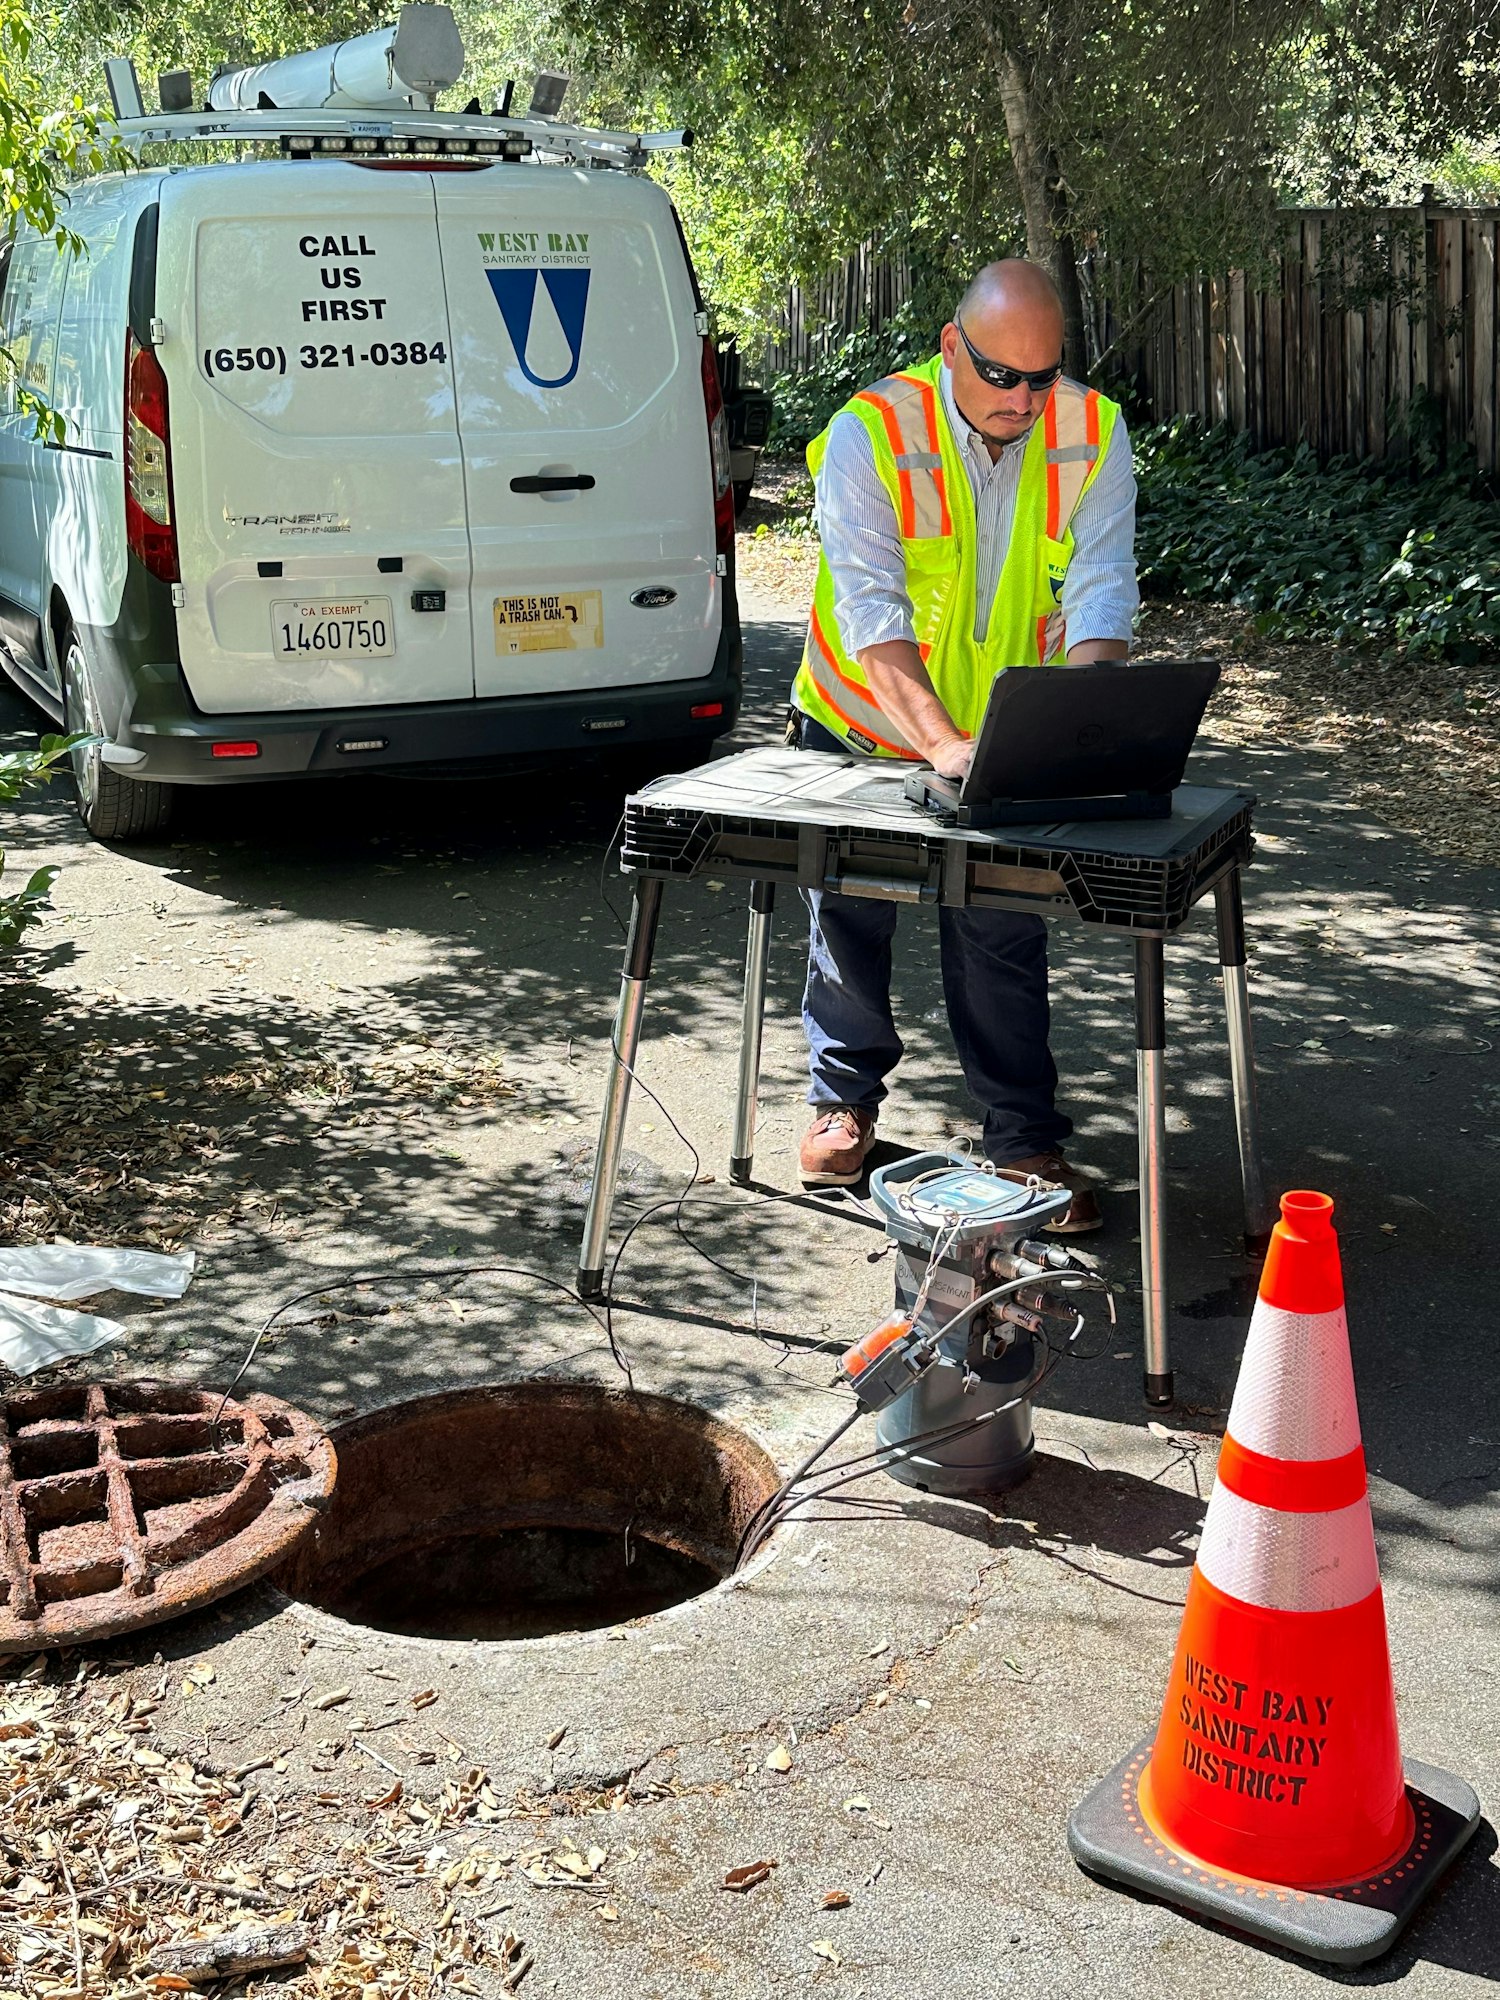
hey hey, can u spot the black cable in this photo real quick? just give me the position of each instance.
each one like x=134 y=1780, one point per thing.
x=609 y=849
x=440 y=1271
x=787 y=1484
x=759 y=1529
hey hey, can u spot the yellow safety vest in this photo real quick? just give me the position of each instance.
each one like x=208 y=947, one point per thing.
x=921 y=467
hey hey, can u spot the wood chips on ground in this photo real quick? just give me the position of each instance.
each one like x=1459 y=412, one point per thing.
x=120 y=1850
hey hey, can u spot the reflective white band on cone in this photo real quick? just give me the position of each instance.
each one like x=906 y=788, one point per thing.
x=1288 y=1562
x=1295 y=1393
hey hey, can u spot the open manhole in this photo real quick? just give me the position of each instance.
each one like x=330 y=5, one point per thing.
x=123 y=1503
x=511 y=1512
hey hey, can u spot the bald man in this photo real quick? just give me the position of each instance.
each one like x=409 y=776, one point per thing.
x=977 y=514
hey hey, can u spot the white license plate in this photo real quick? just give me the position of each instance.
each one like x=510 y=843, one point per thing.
x=332 y=628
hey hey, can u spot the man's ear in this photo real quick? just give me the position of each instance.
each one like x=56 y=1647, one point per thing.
x=948 y=341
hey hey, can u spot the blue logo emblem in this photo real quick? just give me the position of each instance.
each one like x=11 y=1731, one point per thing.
x=515 y=294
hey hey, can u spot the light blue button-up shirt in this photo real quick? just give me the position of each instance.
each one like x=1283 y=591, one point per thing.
x=862 y=540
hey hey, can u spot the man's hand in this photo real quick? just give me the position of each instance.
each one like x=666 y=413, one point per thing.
x=952 y=757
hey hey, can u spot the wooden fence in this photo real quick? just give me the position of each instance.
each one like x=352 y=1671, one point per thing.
x=865 y=290
x=1372 y=324
x=1370 y=317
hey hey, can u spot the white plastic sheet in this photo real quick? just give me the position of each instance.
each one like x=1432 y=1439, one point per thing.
x=34 y=1336
x=78 y=1270
x=38 y=1336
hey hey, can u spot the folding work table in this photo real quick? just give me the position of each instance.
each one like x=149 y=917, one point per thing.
x=828 y=822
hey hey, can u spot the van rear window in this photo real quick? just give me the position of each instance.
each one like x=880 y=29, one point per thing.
x=328 y=320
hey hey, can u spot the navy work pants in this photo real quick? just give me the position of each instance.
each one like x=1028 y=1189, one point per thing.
x=995 y=985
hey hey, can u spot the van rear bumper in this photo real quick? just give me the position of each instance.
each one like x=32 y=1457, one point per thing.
x=161 y=736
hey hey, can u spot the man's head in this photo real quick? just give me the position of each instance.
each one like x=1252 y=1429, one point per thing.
x=1013 y=319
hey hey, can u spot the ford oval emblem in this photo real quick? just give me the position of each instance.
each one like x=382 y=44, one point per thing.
x=655 y=597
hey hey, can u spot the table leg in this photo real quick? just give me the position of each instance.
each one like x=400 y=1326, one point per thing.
x=752 y=1021
x=1151 y=1130
x=644 y=910
x=1230 y=914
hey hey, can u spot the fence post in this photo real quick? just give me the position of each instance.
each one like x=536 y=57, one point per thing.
x=1434 y=370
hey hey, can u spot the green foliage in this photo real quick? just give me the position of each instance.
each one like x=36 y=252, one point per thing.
x=19 y=769
x=46 y=137
x=805 y=401
x=1469 y=174
x=1403 y=556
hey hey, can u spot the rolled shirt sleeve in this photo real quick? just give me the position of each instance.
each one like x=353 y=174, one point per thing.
x=1099 y=595
x=861 y=542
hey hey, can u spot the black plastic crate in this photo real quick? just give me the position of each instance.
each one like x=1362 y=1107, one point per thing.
x=1141 y=892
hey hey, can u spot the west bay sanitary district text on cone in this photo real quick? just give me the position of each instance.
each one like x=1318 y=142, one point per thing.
x=1273 y=1796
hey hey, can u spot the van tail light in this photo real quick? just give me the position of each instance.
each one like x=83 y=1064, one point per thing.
x=148 y=464
x=718 y=449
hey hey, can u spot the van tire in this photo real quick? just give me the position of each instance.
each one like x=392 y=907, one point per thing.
x=111 y=807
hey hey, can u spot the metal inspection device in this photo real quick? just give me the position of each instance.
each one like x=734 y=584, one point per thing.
x=952 y=1373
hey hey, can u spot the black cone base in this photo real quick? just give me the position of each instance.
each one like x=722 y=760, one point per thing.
x=1345 y=1926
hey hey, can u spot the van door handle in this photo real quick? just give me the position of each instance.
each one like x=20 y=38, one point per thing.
x=550 y=482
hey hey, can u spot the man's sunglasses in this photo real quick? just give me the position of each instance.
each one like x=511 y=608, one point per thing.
x=1000 y=377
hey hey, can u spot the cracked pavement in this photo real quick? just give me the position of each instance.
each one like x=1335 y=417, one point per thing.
x=961 y=1674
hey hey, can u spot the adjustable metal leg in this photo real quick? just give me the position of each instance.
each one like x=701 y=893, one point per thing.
x=1230 y=914
x=1151 y=1129
x=644 y=911
x=752 y=1021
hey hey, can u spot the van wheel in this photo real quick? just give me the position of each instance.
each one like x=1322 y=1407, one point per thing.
x=111 y=807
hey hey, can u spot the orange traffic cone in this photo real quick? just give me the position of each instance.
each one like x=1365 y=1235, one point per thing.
x=1273 y=1795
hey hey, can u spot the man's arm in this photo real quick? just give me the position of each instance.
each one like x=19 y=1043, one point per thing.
x=1100 y=598
x=862 y=544
x=902 y=687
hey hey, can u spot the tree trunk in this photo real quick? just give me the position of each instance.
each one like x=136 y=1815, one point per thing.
x=1044 y=200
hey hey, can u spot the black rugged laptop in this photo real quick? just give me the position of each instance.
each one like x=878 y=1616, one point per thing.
x=1108 y=741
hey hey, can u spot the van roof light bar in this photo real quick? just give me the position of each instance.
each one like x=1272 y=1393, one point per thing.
x=299 y=133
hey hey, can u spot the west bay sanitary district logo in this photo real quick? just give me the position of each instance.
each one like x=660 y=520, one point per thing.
x=514 y=260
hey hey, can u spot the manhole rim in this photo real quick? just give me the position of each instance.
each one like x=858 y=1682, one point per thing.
x=369 y=1422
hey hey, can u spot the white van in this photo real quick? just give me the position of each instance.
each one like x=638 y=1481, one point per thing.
x=373 y=458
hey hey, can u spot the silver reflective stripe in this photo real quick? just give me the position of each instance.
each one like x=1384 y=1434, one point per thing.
x=855 y=707
x=1066 y=454
x=918 y=461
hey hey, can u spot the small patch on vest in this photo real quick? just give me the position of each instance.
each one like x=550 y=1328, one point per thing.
x=865 y=743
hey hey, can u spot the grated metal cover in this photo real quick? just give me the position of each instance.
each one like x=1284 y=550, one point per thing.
x=123 y=1503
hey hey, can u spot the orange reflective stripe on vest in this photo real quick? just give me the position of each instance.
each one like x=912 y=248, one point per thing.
x=852 y=704
x=1071 y=428
x=908 y=415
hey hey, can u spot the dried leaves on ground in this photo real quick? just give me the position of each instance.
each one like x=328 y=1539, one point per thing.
x=118 y=1126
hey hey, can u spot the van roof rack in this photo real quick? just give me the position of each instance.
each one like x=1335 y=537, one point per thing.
x=363 y=134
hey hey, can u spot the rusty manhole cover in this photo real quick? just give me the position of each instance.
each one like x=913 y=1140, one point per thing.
x=122 y=1503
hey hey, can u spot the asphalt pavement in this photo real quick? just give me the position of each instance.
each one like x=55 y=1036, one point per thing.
x=965 y=1671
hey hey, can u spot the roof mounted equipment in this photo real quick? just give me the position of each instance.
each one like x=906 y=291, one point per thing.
x=389 y=69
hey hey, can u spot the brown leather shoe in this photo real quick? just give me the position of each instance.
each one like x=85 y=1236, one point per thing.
x=835 y=1146
x=1083 y=1217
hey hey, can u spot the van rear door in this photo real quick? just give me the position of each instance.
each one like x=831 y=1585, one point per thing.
x=578 y=372
x=318 y=490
